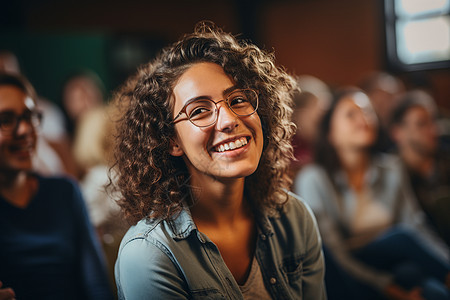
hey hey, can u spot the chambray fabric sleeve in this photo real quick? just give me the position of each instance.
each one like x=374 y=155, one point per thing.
x=313 y=185
x=313 y=287
x=145 y=271
x=92 y=265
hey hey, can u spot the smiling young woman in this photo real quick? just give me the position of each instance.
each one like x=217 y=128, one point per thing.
x=202 y=148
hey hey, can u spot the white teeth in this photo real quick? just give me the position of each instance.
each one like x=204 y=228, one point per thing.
x=232 y=145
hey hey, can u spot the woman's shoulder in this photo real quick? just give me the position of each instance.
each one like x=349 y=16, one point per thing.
x=311 y=172
x=295 y=224
x=144 y=262
x=295 y=212
x=312 y=169
x=139 y=236
x=312 y=178
x=149 y=241
x=152 y=233
x=140 y=231
x=297 y=206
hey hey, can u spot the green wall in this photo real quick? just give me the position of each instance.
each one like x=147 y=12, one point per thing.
x=47 y=59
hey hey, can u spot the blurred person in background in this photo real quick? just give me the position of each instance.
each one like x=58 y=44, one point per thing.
x=93 y=153
x=421 y=81
x=82 y=91
x=384 y=91
x=9 y=62
x=414 y=129
x=371 y=228
x=53 y=154
x=48 y=248
x=310 y=102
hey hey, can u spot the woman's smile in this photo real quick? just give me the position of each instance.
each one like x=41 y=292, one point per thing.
x=232 y=144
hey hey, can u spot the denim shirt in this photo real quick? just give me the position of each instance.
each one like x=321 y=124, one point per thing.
x=173 y=260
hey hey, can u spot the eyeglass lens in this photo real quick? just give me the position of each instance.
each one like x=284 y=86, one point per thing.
x=9 y=121
x=203 y=112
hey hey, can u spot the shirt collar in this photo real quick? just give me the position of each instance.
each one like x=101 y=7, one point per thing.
x=182 y=225
x=264 y=224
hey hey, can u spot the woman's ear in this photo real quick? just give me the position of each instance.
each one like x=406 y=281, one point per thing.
x=175 y=149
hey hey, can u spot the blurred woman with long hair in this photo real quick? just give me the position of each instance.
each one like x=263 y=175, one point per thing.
x=366 y=217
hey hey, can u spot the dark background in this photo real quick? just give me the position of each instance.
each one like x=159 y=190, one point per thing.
x=337 y=41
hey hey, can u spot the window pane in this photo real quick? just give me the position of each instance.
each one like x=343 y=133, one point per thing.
x=417 y=8
x=423 y=40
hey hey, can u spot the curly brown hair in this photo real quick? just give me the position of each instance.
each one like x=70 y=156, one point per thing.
x=151 y=182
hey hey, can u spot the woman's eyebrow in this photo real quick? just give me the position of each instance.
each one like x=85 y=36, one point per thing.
x=229 y=90
x=13 y=112
x=197 y=98
x=224 y=93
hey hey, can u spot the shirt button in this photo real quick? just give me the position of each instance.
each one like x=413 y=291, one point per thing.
x=273 y=280
x=229 y=281
x=263 y=237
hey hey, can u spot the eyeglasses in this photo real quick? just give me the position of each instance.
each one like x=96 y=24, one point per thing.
x=203 y=112
x=9 y=121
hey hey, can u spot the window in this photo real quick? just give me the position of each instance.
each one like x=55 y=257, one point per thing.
x=417 y=34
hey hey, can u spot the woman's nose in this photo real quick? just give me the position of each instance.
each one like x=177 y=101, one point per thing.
x=365 y=118
x=227 y=120
x=23 y=127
